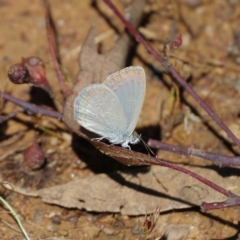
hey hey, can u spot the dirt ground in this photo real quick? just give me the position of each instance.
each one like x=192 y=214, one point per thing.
x=80 y=193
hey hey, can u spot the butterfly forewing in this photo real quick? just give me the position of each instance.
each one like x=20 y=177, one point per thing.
x=129 y=85
x=98 y=109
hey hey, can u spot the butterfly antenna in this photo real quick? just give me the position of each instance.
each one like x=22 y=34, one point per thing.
x=149 y=150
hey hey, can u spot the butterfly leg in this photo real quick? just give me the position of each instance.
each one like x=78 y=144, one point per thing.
x=125 y=145
x=97 y=139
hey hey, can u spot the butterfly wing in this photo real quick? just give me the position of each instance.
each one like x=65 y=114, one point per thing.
x=98 y=109
x=129 y=84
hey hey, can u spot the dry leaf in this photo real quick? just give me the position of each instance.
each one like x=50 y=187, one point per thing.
x=135 y=192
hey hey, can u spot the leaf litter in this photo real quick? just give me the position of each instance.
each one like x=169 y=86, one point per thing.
x=98 y=185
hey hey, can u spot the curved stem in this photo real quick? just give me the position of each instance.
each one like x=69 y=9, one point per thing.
x=7 y=205
x=53 y=52
x=232 y=201
x=174 y=73
x=214 y=186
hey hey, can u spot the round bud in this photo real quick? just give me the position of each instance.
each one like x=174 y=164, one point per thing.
x=18 y=74
x=34 y=157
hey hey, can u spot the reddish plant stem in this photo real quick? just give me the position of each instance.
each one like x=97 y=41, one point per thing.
x=53 y=52
x=156 y=161
x=174 y=73
x=232 y=201
x=177 y=76
x=32 y=107
x=219 y=189
x=220 y=160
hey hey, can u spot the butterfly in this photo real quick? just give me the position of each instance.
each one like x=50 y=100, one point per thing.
x=111 y=109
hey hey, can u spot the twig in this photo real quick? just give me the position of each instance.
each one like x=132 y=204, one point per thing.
x=9 y=116
x=232 y=201
x=220 y=160
x=53 y=52
x=8 y=206
x=10 y=225
x=174 y=73
x=219 y=189
x=32 y=107
x=11 y=140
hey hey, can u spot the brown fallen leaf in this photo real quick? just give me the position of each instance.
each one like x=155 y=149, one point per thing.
x=94 y=68
x=136 y=193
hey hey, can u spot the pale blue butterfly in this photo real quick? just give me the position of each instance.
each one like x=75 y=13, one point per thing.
x=112 y=109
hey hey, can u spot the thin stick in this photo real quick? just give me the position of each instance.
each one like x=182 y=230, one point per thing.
x=8 y=206
x=53 y=52
x=32 y=107
x=220 y=160
x=219 y=189
x=174 y=73
x=232 y=201
x=9 y=116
